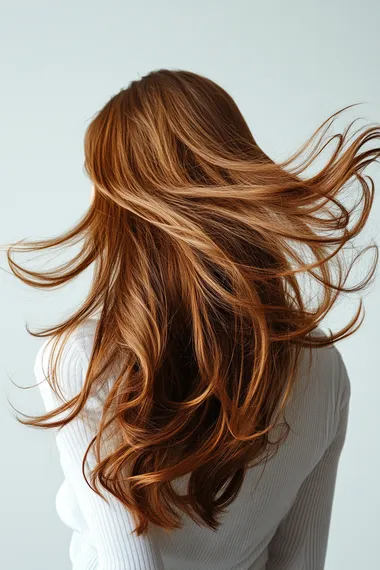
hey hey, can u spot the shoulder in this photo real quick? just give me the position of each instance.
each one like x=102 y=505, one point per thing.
x=319 y=395
x=322 y=390
x=72 y=355
x=329 y=368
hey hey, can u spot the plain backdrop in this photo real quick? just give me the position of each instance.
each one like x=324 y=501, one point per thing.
x=289 y=65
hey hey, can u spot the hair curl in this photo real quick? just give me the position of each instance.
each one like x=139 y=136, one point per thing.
x=199 y=241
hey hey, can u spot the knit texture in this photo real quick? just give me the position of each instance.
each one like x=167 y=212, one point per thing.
x=280 y=518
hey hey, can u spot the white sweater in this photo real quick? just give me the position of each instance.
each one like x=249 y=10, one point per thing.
x=279 y=521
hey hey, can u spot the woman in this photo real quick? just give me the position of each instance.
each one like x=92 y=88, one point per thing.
x=194 y=386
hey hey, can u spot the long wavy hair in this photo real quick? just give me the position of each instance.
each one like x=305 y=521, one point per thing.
x=199 y=243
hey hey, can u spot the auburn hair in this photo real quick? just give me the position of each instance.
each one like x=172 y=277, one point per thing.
x=200 y=243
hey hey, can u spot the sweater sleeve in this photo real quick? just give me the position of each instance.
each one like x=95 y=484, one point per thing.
x=301 y=539
x=110 y=526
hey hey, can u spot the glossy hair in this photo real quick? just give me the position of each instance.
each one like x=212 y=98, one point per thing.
x=199 y=241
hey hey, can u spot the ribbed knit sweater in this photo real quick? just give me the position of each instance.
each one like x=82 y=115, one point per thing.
x=280 y=518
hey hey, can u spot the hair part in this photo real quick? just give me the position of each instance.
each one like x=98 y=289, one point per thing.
x=199 y=241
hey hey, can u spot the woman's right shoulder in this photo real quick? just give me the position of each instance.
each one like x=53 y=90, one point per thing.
x=329 y=369
x=322 y=389
x=319 y=394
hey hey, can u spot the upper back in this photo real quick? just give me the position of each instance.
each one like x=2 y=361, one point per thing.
x=268 y=490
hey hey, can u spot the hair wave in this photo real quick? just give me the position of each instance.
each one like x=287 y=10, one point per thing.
x=199 y=241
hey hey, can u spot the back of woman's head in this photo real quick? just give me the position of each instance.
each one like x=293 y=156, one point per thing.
x=200 y=243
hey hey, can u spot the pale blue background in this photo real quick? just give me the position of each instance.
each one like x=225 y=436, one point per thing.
x=289 y=64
